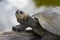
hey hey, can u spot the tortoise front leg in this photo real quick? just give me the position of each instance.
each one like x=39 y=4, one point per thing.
x=18 y=28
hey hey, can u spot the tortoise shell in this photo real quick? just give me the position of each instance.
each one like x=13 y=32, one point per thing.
x=49 y=21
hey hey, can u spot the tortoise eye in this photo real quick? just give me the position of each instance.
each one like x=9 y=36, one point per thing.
x=21 y=12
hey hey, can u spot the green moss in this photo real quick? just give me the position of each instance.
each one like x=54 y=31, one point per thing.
x=47 y=2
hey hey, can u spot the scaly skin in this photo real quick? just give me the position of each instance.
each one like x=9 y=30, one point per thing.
x=28 y=21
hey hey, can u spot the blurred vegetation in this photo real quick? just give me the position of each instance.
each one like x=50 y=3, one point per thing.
x=47 y=2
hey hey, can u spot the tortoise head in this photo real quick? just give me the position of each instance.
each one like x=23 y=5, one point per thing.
x=20 y=15
x=25 y=19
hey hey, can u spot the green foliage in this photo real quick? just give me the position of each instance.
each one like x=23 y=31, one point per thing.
x=47 y=2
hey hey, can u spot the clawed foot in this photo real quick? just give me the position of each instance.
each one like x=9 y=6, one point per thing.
x=18 y=28
x=15 y=29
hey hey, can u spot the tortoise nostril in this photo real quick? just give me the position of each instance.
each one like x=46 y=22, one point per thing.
x=18 y=11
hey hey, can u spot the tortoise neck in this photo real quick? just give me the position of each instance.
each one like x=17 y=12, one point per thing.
x=39 y=29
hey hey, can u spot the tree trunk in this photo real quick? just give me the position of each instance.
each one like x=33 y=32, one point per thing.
x=23 y=35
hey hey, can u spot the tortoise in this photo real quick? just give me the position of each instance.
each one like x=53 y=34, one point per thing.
x=46 y=25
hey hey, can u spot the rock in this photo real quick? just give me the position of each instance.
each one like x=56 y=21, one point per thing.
x=23 y=35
